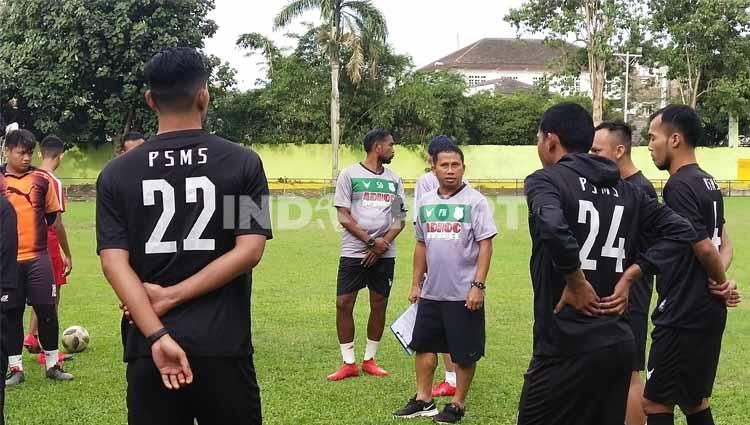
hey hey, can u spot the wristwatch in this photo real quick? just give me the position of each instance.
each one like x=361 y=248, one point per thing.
x=479 y=285
x=371 y=243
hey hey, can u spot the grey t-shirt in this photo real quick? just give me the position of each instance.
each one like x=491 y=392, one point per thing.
x=451 y=229
x=375 y=201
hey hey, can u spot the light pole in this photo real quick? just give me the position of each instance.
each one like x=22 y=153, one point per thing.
x=627 y=57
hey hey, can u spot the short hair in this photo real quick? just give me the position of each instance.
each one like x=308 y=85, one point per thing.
x=447 y=148
x=438 y=142
x=20 y=138
x=133 y=135
x=620 y=128
x=51 y=146
x=174 y=75
x=572 y=124
x=682 y=119
x=374 y=136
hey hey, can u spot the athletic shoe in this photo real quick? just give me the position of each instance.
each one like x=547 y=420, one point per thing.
x=346 y=371
x=371 y=368
x=60 y=358
x=451 y=414
x=15 y=376
x=443 y=389
x=416 y=408
x=57 y=373
x=31 y=343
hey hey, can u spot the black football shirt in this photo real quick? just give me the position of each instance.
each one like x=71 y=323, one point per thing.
x=641 y=291
x=684 y=299
x=176 y=204
x=581 y=214
x=8 y=245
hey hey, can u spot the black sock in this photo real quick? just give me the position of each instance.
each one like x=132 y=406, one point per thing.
x=660 y=419
x=701 y=418
x=48 y=326
x=13 y=324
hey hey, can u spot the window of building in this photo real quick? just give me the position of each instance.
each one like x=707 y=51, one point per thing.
x=476 y=80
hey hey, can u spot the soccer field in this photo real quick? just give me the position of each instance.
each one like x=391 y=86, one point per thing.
x=295 y=339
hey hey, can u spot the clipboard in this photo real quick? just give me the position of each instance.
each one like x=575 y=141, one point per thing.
x=403 y=328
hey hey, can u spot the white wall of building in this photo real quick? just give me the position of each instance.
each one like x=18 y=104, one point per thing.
x=475 y=78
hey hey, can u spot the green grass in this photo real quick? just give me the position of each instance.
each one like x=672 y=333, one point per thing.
x=295 y=339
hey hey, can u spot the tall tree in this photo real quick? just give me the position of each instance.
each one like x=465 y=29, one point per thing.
x=704 y=43
x=76 y=66
x=352 y=24
x=593 y=22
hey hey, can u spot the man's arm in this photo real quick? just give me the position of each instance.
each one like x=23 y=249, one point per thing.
x=419 y=269
x=681 y=197
x=546 y=212
x=129 y=289
x=395 y=230
x=726 y=250
x=168 y=356
x=712 y=263
x=245 y=255
x=475 y=298
x=62 y=237
x=559 y=242
x=350 y=224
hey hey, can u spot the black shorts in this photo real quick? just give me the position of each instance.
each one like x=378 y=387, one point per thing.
x=35 y=279
x=682 y=366
x=224 y=391
x=353 y=276
x=11 y=299
x=639 y=325
x=449 y=327
x=585 y=389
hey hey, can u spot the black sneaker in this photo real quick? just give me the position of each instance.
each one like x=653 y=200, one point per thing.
x=451 y=414
x=57 y=373
x=416 y=408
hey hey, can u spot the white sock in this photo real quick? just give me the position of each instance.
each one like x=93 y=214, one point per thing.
x=450 y=377
x=371 y=349
x=50 y=358
x=15 y=362
x=347 y=352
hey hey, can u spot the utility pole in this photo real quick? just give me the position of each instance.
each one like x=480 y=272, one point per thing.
x=627 y=57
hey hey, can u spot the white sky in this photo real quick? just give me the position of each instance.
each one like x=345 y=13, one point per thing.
x=424 y=29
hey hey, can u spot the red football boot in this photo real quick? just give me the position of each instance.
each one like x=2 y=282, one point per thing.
x=346 y=371
x=443 y=389
x=371 y=368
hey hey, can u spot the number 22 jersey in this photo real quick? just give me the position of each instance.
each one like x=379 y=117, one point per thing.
x=176 y=204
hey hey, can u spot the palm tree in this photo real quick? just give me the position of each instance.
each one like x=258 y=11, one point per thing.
x=354 y=24
x=254 y=41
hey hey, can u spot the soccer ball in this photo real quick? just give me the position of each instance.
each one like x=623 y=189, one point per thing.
x=75 y=339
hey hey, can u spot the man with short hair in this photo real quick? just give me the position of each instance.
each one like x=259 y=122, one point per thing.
x=179 y=258
x=585 y=225
x=454 y=233
x=694 y=293
x=52 y=150
x=426 y=184
x=369 y=201
x=35 y=201
x=614 y=140
x=130 y=141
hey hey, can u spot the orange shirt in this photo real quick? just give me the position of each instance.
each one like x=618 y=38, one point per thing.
x=33 y=197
